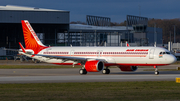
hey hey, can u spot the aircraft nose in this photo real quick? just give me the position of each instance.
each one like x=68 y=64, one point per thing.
x=173 y=59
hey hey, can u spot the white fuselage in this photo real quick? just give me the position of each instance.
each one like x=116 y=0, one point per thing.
x=134 y=56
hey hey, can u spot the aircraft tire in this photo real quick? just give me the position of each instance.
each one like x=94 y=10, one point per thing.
x=156 y=72
x=106 y=71
x=82 y=71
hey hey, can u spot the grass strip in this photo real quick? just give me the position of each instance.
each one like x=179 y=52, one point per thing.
x=97 y=91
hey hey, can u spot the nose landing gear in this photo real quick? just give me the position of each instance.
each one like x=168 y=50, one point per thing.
x=83 y=70
x=156 y=70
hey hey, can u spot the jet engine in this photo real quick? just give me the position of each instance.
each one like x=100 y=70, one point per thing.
x=128 y=68
x=94 y=66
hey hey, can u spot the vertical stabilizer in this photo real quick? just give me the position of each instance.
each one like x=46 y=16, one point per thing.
x=30 y=37
x=31 y=40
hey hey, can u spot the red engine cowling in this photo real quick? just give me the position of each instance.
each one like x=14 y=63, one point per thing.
x=94 y=66
x=128 y=68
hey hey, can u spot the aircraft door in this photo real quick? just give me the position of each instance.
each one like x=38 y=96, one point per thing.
x=99 y=53
x=72 y=53
x=151 y=53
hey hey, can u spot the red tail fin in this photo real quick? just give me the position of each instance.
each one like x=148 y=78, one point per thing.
x=30 y=37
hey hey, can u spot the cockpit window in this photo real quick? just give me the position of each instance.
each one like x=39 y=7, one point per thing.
x=161 y=53
x=168 y=53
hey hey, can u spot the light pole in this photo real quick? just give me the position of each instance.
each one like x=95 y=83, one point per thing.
x=174 y=34
x=95 y=37
x=119 y=39
x=170 y=36
x=155 y=35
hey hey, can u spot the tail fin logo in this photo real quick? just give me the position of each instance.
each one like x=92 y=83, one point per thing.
x=32 y=31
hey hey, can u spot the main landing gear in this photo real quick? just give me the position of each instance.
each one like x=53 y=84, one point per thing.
x=156 y=70
x=106 y=71
x=82 y=71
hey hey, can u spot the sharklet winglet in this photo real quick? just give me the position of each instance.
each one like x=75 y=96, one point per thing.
x=22 y=47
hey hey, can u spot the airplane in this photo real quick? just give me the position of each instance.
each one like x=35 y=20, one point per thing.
x=94 y=59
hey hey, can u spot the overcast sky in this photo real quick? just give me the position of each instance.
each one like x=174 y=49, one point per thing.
x=115 y=9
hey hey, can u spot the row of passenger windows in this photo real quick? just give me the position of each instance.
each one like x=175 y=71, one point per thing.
x=125 y=52
x=97 y=52
x=161 y=53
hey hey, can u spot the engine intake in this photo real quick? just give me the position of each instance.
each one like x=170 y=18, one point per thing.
x=128 y=68
x=94 y=66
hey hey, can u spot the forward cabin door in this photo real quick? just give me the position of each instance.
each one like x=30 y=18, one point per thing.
x=151 y=53
x=99 y=53
x=72 y=53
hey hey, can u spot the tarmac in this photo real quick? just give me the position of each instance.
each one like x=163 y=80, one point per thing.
x=62 y=75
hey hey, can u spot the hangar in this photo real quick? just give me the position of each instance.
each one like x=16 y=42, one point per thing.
x=53 y=28
x=45 y=22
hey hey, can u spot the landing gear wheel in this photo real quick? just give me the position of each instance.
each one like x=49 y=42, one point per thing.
x=82 y=71
x=156 y=72
x=36 y=61
x=106 y=71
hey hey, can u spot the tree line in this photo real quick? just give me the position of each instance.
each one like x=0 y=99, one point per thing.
x=167 y=26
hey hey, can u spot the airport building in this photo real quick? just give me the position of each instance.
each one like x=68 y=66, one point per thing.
x=53 y=28
x=46 y=23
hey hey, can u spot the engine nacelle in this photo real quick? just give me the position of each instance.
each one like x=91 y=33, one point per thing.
x=128 y=68
x=94 y=66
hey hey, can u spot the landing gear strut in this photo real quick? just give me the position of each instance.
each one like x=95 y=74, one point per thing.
x=156 y=70
x=106 y=71
x=82 y=71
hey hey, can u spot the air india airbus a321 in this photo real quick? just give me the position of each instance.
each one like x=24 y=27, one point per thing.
x=94 y=59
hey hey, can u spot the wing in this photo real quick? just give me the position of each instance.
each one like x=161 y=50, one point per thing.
x=69 y=58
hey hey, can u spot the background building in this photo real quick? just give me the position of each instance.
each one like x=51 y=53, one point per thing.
x=46 y=23
x=53 y=28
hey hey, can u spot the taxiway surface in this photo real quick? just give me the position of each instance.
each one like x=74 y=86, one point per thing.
x=72 y=75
